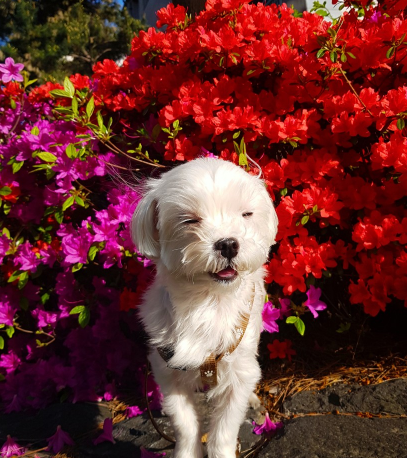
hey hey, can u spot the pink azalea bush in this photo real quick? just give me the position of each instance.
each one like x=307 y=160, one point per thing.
x=69 y=278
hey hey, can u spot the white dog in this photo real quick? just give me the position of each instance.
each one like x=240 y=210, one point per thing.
x=208 y=226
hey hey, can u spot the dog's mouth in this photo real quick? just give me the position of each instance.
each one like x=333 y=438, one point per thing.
x=226 y=275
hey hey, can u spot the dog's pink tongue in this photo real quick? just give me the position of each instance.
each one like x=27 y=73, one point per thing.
x=226 y=273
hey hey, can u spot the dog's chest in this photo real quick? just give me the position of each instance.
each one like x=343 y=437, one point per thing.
x=215 y=324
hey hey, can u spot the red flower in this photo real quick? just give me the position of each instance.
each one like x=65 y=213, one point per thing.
x=128 y=300
x=281 y=350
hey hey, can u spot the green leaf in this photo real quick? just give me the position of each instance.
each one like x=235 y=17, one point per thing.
x=331 y=32
x=92 y=252
x=79 y=201
x=390 y=52
x=343 y=327
x=1 y=343
x=84 y=317
x=322 y=13
x=343 y=58
x=59 y=93
x=243 y=159
x=23 y=279
x=352 y=56
x=5 y=231
x=250 y=72
x=75 y=107
x=13 y=104
x=156 y=132
x=10 y=331
x=47 y=157
x=77 y=266
x=100 y=120
x=69 y=87
x=291 y=319
x=17 y=166
x=44 y=298
x=28 y=83
x=401 y=124
x=236 y=135
x=5 y=191
x=6 y=207
x=315 y=208
x=299 y=324
x=24 y=304
x=304 y=220
x=333 y=56
x=77 y=309
x=14 y=276
x=90 y=106
x=70 y=151
x=59 y=216
x=69 y=201
x=321 y=53
x=283 y=192
x=35 y=131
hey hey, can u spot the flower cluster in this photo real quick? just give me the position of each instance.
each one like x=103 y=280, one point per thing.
x=69 y=272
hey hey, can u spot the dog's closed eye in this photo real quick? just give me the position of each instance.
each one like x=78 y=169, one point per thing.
x=247 y=214
x=191 y=221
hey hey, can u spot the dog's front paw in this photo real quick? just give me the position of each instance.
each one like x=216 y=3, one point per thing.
x=254 y=401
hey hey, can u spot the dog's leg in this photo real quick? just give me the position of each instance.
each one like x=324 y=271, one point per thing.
x=179 y=405
x=229 y=409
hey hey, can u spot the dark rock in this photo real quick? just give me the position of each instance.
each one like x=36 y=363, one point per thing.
x=335 y=436
x=386 y=398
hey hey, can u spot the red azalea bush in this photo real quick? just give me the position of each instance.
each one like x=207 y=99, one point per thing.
x=320 y=107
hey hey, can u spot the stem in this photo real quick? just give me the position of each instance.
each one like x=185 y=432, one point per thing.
x=118 y=151
x=118 y=166
x=354 y=91
x=18 y=117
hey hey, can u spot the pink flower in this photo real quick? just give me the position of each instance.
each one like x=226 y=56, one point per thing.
x=107 y=434
x=146 y=454
x=11 y=448
x=285 y=309
x=134 y=411
x=270 y=314
x=10 y=361
x=57 y=442
x=11 y=70
x=313 y=302
x=268 y=427
x=26 y=258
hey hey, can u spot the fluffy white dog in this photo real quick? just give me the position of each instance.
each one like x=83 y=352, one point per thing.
x=208 y=226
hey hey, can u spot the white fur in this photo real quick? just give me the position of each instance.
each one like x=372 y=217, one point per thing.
x=187 y=309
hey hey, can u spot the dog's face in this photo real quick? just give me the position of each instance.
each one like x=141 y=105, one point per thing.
x=206 y=220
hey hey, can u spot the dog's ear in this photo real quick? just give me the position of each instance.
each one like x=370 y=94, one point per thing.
x=144 y=230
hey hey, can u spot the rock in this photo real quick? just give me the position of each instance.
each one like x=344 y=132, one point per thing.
x=316 y=436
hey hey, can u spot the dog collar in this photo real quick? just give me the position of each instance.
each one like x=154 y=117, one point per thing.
x=209 y=369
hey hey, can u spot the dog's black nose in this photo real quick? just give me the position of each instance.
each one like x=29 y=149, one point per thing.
x=228 y=247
